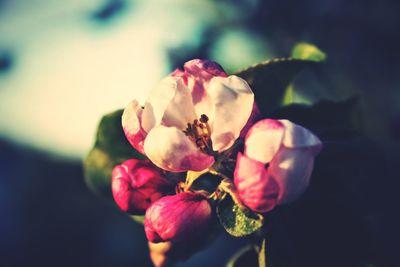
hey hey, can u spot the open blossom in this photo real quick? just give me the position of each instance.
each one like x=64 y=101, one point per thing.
x=189 y=116
x=136 y=184
x=276 y=165
x=177 y=218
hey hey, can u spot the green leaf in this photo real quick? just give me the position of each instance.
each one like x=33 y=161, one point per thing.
x=111 y=148
x=111 y=138
x=138 y=218
x=192 y=176
x=291 y=96
x=236 y=221
x=329 y=120
x=305 y=51
x=269 y=80
x=343 y=179
x=206 y=181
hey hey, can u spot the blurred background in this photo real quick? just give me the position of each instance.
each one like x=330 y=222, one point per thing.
x=64 y=64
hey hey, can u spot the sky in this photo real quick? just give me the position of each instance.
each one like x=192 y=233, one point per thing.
x=68 y=64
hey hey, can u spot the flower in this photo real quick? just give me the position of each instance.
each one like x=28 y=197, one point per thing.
x=276 y=165
x=189 y=116
x=177 y=218
x=136 y=184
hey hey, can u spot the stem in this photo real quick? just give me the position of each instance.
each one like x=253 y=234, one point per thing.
x=262 y=254
x=215 y=172
x=191 y=177
x=227 y=186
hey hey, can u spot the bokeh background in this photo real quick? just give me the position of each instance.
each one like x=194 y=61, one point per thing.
x=63 y=64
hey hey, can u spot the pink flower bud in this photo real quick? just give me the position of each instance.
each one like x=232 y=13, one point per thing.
x=276 y=165
x=177 y=218
x=136 y=184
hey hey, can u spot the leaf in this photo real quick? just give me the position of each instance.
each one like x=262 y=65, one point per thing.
x=111 y=138
x=205 y=181
x=337 y=205
x=138 y=218
x=192 y=176
x=245 y=257
x=111 y=148
x=269 y=80
x=236 y=221
x=307 y=51
x=329 y=120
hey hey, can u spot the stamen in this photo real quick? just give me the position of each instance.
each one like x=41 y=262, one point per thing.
x=199 y=132
x=203 y=118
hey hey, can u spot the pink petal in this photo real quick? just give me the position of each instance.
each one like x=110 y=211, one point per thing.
x=169 y=104
x=291 y=168
x=170 y=149
x=177 y=218
x=231 y=105
x=258 y=190
x=264 y=139
x=180 y=73
x=138 y=183
x=131 y=124
x=197 y=74
x=297 y=136
x=203 y=68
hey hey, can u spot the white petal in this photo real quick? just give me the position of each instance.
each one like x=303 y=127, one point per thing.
x=296 y=136
x=231 y=105
x=264 y=139
x=169 y=104
x=170 y=149
x=131 y=124
x=291 y=168
x=198 y=73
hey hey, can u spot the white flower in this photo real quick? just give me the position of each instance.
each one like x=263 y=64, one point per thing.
x=189 y=116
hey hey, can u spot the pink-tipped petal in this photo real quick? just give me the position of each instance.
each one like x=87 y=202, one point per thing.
x=256 y=188
x=169 y=104
x=264 y=139
x=197 y=75
x=131 y=124
x=231 y=105
x=204 y=69
x=291 y=169
x=179 y=73
x=170 y=149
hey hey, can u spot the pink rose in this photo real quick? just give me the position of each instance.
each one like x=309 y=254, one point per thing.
x=136 y=184
x=177 y=218
x=189 y=116
x=276 y=165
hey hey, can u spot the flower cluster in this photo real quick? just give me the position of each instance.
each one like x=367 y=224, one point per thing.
x=191 y=122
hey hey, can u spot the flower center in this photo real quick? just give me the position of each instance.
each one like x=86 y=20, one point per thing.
x=200 y=133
